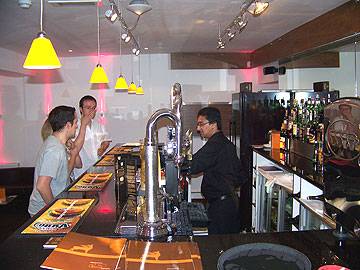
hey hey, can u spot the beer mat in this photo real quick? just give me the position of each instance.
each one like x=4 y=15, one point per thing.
x=91 y=182
x=107 y=160
x=156 y=256
x=81 y=251
x=60 y=218
x=92 y=252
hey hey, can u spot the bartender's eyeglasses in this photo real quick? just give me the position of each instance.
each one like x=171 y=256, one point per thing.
x=201 y=124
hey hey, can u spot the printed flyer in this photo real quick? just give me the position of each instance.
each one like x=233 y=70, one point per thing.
x=107 y=160
x=91 y=182
x=92 y=252
x=60 y=218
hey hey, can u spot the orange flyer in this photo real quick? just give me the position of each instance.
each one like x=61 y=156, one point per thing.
x=91 y=182
x=60 y=218
x=107 y=160
x=81 y=251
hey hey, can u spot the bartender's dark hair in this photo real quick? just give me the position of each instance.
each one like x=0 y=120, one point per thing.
x=84 y=98
x=212 y=115
x=60 y=115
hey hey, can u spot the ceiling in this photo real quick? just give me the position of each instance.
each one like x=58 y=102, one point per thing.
x=171 y=26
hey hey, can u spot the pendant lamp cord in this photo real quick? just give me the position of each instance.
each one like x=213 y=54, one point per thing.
x=98 y=31
x=139 y=65
x=41 y=14
x=120 y=34
x=356 y=82
x=132 y=68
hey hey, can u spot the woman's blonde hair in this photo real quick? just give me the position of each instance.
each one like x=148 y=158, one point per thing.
x=46 y=130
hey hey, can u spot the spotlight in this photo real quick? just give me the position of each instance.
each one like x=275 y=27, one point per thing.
x=258 y=8
x=111 y=15
x=125 y=37
x=136 y=51
x=221 y=44
x=24 y=3
x=139 y=7
x=231 y=34
x=241 y=22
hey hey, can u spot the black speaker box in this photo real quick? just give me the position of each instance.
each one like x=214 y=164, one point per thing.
x=246 y=87
x=321 y=86
x=270 y=70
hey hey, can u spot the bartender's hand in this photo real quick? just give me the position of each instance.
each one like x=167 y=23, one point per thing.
x=104 y=145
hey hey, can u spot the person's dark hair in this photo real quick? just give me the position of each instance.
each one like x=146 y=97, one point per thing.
x=84 y=98
x=212 y=115
x=60 y=115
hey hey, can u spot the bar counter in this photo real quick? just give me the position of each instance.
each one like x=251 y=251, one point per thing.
x=21 y=251
x=294 y=163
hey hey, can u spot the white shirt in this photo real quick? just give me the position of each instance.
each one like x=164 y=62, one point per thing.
x=93 y=138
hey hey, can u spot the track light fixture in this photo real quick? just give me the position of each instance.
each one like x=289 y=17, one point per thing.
x=254 y=7
x=110 y=14
x=136 y=51
x=221 y=43
x=257 y=8
x=138 y=7
x=126 y=37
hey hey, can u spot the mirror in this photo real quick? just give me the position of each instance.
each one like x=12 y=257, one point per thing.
x=336 y=64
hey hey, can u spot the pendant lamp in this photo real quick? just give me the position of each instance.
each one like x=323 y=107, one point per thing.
x=132 y=86
x=121 y=83
x=98 y=75
x=139 y=90
x=42 y=54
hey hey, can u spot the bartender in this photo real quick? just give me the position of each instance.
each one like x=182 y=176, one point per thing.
x=221 y=169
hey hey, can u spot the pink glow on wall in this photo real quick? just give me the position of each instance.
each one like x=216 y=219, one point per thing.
x=47 y=93
x=102 y=108
x=246 y=51
x=247 y=74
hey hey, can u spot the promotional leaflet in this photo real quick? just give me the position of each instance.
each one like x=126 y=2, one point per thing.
x=91 y=182
x=92 y=252
x=60 y=218
x=107 y=160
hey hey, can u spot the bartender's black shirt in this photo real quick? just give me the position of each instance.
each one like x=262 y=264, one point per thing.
x=221 y=167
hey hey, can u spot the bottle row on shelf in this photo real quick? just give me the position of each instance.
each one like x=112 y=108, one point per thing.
x=303 y=122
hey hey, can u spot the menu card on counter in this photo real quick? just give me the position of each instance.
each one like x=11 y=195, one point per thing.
x=118 y=150
x=155 y=255
x=107 y=160
x=81 y=251
x=91 y=252
x=60 y=218
x=91 y=182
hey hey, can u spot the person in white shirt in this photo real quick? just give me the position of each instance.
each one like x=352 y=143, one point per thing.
x=95 y=143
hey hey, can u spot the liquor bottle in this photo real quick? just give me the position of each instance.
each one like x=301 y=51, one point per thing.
x=294 y=116
x=283 y=135
x=319 y=154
